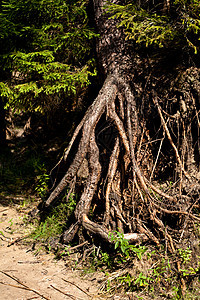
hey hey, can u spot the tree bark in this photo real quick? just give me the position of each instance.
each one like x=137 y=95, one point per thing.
x=129 y=98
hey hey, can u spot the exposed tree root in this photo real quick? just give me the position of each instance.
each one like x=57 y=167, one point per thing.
x=122 y=172
x=170 y=139
x=94 y=113
x=142 y=152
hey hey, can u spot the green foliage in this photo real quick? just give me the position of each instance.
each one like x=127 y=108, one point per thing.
x=190 y=271
x=187 y=268
x=152 y=25
x=125 y=248
x=147 y=279
x=71 y=204
x=141 y=25
x=53 y=224
x=106 y=259
x=42 y=181
x=142 y=280
x=120 y=243
x=185 y=254
x=132 y=283
x=151 y=273
x=124 y=253
x=46 y=51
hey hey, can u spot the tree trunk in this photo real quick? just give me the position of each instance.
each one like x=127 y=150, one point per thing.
x=134 y=151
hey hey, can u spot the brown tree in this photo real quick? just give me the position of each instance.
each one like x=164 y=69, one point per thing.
x=139 y=141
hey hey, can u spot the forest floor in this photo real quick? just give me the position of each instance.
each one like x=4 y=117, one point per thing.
x=29 y=274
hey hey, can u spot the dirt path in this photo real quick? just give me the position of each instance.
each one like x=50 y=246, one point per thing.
x=39 y=277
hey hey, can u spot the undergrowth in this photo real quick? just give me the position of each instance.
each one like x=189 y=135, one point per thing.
x=143 y=271
x=51 y=225
x=147 y=271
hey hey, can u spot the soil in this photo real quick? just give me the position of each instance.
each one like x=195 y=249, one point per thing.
x=25 y=274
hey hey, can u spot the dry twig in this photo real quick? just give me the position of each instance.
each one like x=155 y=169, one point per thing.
x=24 y=286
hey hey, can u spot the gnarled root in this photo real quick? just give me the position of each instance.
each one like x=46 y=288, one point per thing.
x=130 y=198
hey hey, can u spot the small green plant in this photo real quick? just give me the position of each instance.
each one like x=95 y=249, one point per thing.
x=108 y=285
x=65 y=251
x=132 y=283
x=185 y=254
x=42 y=181
x=11 y=222
x=10 y=227
x=1 y=233
x=176 y=293
x=139 y=250
x=150 y=254
x=53 y=224
x=190 y=271
x=120 y=243
x=126 y=279
x=71 y=204
x=159 y=272
x=105 y=258
x=142 y=280
x=124 y=247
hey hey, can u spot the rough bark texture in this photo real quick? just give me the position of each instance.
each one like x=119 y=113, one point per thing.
x=151 y=131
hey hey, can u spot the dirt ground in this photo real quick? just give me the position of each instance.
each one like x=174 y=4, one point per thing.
x=24 y=275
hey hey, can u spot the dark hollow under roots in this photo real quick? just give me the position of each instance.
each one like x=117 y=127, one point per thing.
x=123 y=183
